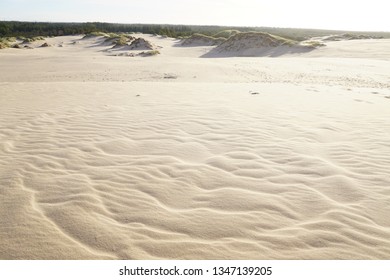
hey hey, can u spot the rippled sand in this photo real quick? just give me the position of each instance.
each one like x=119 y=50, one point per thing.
x=174 y=157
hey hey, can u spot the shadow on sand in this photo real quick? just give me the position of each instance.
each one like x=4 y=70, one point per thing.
x=258 y=52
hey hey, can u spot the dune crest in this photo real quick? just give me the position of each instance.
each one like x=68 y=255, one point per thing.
x=257 y=44
x=202 y=40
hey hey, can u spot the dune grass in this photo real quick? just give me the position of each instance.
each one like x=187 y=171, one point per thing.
x=4 y=45
x=225 y=33
x=150 y=53
x=314 y=44
x=117 y=39
x=7 y=42
x=274 y=39
x=122 y=40
x=32 y=39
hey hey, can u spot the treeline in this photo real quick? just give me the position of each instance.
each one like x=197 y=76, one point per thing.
x=16 y=28
x=26 y=29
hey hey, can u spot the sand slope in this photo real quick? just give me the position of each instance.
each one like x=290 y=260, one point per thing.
x=183 y=157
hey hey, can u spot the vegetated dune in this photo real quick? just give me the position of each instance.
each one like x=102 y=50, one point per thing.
x=322 y=41
x=142 y=44
x=134 y=47
x=113 y=40
x=7 y=42
x=120 y=40
x=201 y=40
x=347 y=36
x=257 y=44
x=182 y=157
x=94 y=35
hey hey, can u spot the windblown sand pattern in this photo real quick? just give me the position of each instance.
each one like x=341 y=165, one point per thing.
x=104 y=158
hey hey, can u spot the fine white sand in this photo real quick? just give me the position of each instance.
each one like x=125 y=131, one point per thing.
x=178 y=156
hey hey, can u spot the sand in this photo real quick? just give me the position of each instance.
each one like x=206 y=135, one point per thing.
x=178 y=156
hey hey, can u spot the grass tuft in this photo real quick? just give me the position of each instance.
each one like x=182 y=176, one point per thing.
x=7 y=42
x=150 y=53
x=313 y=44
x=226 y=33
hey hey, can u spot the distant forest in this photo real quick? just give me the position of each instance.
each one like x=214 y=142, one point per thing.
x=27 y=29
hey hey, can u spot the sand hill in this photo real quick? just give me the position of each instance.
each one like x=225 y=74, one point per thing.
x=44 y=45
x=142 y=44
x=257 y=44
x=121 y=42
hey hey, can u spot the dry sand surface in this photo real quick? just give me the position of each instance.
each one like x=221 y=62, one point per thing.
x=178 y=156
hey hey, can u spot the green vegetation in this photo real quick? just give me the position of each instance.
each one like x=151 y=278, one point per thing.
x=282 y=40
x=98 y=34
x=118 y=39
x=31 y=29
x=203 y=39
x=266 y=38
x=6 y=42
x=122 y=41
x=226 y=33
x=95 y=34
x=314 y=44
x=4 y=45
x=31 y=39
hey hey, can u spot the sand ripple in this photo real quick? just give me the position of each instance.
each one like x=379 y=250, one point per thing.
x=207 y=171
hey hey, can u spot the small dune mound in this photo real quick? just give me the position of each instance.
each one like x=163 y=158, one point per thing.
x=202 y=40
x=110 y=39
x=141 y=44
x=226 y=33
x=149 y=53
x=45 y=45
x=143 y=54
x=347 y=36
x=127 y=54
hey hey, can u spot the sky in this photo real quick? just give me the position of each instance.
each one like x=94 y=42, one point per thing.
x=358 y=15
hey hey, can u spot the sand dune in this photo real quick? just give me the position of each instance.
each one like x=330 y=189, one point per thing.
x=257 y=44
x=183 y=157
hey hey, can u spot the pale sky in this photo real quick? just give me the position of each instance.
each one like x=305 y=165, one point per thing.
x=359 y=15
